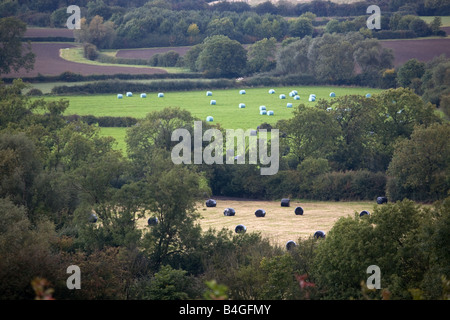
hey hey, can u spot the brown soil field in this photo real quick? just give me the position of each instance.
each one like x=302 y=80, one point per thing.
x=49 y=32
x=49 y=62
x=420 y=49
x=280 y=224
x=149 y=52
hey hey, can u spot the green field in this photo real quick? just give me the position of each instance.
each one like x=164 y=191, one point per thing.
x=226 y=112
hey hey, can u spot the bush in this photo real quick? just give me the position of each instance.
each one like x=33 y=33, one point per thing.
x=34 y=92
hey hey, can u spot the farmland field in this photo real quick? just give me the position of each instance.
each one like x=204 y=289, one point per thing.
x=280 y=223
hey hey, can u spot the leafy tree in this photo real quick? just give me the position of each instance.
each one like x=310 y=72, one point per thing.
x=222 y=56
x=97 y=32
x=13 y=55
x=261 y=55
x=412 y=69
x=301 y=27
x=420 y=165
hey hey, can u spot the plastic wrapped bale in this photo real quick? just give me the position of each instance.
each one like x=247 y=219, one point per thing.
x=253 y=132
x=312 y=98
x=270 y=113
x=262 y=108
x=209 y=119
x=332 y=94
x=298 y=211
x=242 y=92
x=297 y=97
x=282 y=96
x=260 y=213
x=129 y=94
x=240 y=228
x=241 y=105
x=212 y=102
x=210 y=203
x=291 y=94
x=160 y=95
x=368 y=95
x=229 y=212
x=364 y=213
x=93 y=218
x=329 y=108
x=295 y=92
x=271 y=91
x=143 y=95
x=285 y=202
x=152 y=221
x=290 y=244
x=319 y=234
x=381 y=200
x=208 y=93
x=289 y=105
x=263 y=112
x=119 y=96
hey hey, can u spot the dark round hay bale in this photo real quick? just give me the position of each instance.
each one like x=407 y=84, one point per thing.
x=240 y=228
x=93 y=218
x=211 y=203
x=364 y=213
x=319 y=234
x=285 y=202
x=381 y=200
x=152 y=221
x=229 y=212
x=260 y=213
x=299 y=211
x=290 y=244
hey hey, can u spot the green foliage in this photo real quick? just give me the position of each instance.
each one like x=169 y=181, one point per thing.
x=14 y=56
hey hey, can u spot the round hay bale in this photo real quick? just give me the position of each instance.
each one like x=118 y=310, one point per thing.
x=319 y=234
x=271 y=91
x=260 y=213
x=160 y=95
x=270 y=113
x=289 y=105
x=119 y=96
x=381 y=200
x=212 y=102
x=209 y=119
x=282 y=96
x=368 y=95
x=240 y=228
x=297 y=97
x=262 y=108
x=291 y=94
x=312 y=98
x=295 y=92
x=263 y=112
x=143 y=95
x=241 y=105
x=364 y=213
x=242 y=92
x=329 y=108
x=152 y=221
x=332 y=94
x=129 y=94
x=298 y=211
x=285 y=202
x=93 y=218
x=210 y=203
x=290 y=244
x=208 y=93
x=229 y=212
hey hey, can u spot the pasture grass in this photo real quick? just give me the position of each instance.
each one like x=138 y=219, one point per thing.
x=280 y=223
x=445 y=20
x=75 y=54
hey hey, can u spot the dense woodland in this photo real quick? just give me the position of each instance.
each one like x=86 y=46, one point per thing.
x=67 y=197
